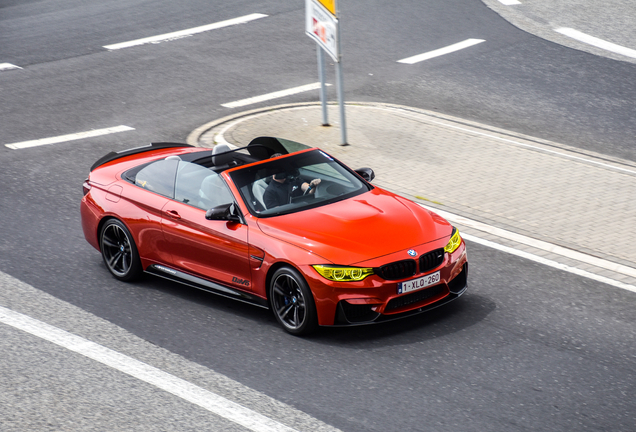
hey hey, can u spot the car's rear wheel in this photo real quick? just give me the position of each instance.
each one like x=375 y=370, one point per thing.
x=292 y=302
x=119 y=251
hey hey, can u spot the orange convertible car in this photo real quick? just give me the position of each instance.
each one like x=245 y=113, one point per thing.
x=276 y=224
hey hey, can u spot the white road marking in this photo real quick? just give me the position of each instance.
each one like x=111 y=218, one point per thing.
x=212 y=402
x=550 y=263
x=599 y=43
x=439 y=52
x=274 y=95
x=70 y=137
x=541 y=245
x=538 y=244
x=185 y=33
x=509 y=2
x=8 y=66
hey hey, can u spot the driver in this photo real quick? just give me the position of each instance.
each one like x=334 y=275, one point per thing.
x=285 y=185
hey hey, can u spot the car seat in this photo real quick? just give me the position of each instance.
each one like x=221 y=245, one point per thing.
x=258 y=190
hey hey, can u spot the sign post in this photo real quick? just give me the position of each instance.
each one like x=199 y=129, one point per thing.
x=323 y=86
x=322 y=25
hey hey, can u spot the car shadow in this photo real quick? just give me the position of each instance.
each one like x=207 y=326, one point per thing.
x=205 y=298
x=458 y=315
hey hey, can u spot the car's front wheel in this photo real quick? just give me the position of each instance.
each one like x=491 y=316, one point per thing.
x=292 y=302
x=119 y=251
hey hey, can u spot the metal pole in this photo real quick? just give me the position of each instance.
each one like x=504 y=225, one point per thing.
x=343 y=121
x=323 y=85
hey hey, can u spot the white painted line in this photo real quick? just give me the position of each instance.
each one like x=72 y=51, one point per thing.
x=212 y=402
x=8 y=66
x=270 y=96
x=520 y=144
x=599 y=43
x=70 y=137
x=185 y=33
x=439 y=52
x=509 y=2
x=550 y=263
x=538 y=244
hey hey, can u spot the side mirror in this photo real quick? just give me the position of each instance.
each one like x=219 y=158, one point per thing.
x=225 y=212
x=366 y=173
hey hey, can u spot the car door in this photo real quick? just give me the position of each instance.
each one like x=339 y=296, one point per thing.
x=215 y=250
x=141 y=207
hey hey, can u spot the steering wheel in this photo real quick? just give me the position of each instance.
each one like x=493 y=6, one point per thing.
x=309 y=189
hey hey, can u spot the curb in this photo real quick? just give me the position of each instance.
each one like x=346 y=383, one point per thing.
x=195 y=136
x=212 y=133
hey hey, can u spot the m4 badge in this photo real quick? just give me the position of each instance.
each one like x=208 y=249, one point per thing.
x=241 y=281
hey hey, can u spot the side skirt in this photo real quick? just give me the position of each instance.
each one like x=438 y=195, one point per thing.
x=206 y=285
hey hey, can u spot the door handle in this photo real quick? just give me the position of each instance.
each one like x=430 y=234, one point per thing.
x=173 y=214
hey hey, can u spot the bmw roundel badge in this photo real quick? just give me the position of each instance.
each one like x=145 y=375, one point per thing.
x=412 y=252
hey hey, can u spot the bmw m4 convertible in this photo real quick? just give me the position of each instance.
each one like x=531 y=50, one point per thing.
x=276 y=224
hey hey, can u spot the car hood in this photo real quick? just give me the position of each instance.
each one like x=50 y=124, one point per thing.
x=358 y=229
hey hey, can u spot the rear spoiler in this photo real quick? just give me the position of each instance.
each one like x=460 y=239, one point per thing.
x=122 y=153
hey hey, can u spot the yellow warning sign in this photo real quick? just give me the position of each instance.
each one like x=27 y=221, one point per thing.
x=330 y=5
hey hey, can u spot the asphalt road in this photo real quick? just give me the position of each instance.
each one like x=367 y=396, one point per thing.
x=527 y=348
x=610 y=21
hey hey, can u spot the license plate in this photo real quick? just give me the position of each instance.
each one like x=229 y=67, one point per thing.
x=419 y=283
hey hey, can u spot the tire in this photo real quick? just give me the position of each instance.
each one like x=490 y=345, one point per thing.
x=292 y=302
x=119 y=251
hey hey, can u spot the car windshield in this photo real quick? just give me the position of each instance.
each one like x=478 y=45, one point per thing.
x=276 y=187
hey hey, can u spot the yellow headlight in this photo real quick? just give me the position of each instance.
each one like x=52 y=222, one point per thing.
x=343 y=274
x=454 y=242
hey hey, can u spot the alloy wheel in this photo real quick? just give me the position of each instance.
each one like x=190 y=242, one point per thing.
x=289 y=303
x=117 y=250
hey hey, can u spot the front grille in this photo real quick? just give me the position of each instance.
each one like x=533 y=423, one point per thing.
x=415 y=297
x=397 y=270
x=430 y=260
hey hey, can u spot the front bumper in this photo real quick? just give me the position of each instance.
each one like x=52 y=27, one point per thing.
x=348 y=314
x=375 y=300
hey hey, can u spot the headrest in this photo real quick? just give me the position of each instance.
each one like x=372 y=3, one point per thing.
x=223 y=159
